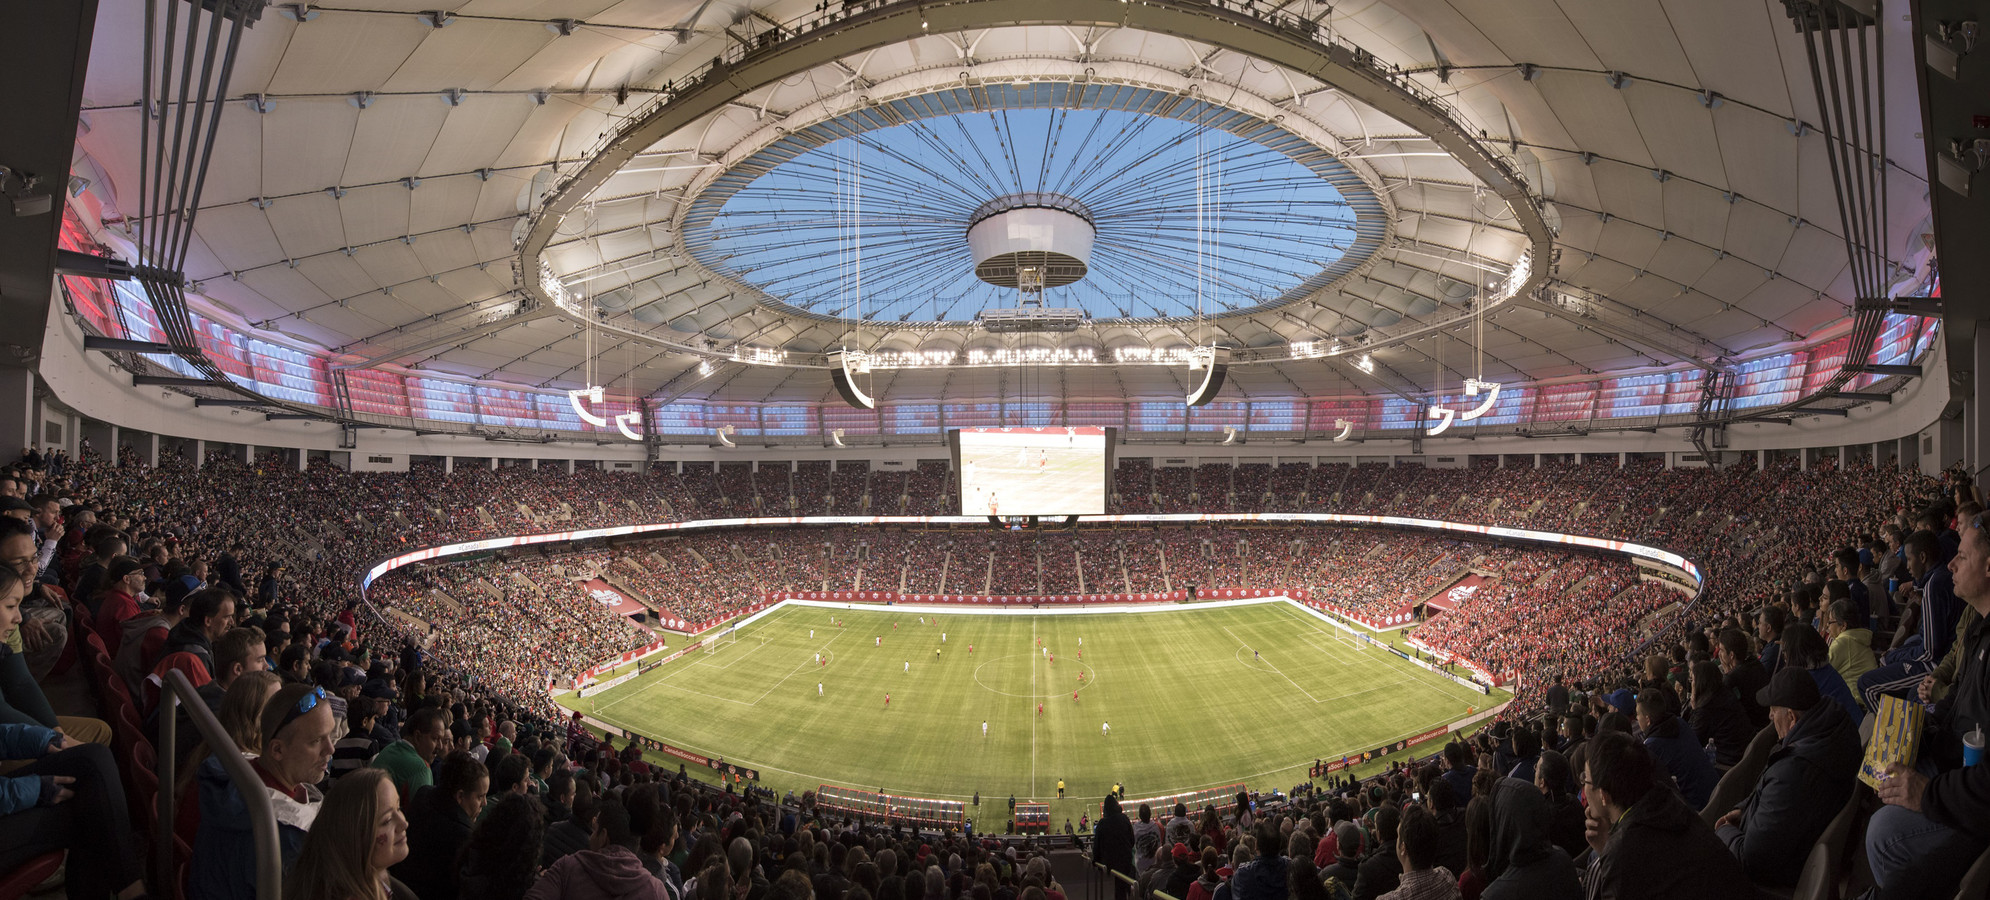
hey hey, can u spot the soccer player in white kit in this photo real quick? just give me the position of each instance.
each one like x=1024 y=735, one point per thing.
x=1105 y=728
x=908 y=667
x=984 y=727
x=818 y=689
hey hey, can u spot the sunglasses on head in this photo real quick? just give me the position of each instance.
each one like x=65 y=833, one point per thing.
x=304 y=705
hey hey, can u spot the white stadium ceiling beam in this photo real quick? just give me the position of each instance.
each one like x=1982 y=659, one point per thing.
x=1630 y=332
x=484 y=330
x=1289 y=42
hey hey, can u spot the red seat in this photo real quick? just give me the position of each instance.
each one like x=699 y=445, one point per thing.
x=141 y=772
x=16 y=884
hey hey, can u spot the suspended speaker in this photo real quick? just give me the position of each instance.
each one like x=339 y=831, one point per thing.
x=1206 y=368
x=844 y=366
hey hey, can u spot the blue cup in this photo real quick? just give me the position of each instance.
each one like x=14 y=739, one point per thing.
x=1971 y=755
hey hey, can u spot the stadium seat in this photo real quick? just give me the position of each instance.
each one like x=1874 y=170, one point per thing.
x=1824 y=866
x=141 y=772
x=1739 y=782
x=1976 y=882
x=16 y=884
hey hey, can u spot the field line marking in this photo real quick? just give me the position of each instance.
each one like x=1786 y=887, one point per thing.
x=1334 y=656
x=1444 y=685
x=673 y=672
x=729 y=663
x=1033 y=715
x=791 y=672
x=1273 y=665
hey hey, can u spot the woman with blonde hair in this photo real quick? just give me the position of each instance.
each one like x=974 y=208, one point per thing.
x=359 y=832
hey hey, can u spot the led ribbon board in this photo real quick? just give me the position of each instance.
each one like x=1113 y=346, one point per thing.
x=1626 y=548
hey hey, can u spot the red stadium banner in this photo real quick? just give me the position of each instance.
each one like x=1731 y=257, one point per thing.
x=1456 y=595
x=617 y=602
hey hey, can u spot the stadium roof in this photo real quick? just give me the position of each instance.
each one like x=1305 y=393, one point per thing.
x=730 y=190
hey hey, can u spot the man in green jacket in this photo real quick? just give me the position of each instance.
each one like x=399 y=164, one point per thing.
x=407 y=760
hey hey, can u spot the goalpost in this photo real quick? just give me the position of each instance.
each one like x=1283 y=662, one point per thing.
x=725 y=637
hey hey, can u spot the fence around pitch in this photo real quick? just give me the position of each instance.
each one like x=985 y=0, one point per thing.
x=878 y=805
x=1164 y=806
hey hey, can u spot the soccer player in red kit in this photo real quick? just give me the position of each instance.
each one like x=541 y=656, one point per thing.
x=1039 y=709
x=1074 y=696
x=887 y=699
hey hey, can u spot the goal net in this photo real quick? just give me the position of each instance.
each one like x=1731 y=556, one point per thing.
x=725 y=637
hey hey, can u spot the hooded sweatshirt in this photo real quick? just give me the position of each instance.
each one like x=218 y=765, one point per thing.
x=1522 y=863
x=610 y=873
x=1112 y=843
x=1661 y=850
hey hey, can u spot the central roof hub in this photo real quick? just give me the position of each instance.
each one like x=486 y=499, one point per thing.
x=1031 y=240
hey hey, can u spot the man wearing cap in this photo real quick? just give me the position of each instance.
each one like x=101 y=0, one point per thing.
x=119 y=601
x=297 y=728
x=1184 y=873
x=379 y=694
x=1936 y=820
x=1810 y=776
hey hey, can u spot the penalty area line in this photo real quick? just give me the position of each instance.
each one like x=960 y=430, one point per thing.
x=1274 y=666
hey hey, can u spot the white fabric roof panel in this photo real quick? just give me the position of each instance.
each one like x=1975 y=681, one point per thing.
x=338 y=53
x=1745 y=50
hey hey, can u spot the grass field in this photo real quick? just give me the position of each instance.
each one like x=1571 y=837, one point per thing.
x=1196 y=698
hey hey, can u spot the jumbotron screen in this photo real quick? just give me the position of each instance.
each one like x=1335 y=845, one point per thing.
x=1054 y=471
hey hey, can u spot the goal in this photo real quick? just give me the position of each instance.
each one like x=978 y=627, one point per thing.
x=723 y=638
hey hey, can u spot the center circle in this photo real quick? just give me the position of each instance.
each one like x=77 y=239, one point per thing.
x=1001 y=681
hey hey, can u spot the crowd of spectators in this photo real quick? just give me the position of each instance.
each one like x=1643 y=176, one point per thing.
x=246 y=567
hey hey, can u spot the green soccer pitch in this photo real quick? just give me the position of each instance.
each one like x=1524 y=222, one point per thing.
x=1195 y=697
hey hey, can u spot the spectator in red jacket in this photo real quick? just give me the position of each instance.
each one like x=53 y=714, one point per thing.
x=118 y=601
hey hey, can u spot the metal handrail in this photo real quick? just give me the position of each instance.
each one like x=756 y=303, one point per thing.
x=175 y=691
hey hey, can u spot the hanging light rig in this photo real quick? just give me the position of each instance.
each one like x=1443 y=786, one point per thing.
x=1208 y=364
x=850 y=368
x=1477 y=384
x=594 y=394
